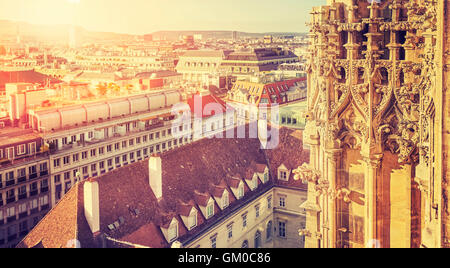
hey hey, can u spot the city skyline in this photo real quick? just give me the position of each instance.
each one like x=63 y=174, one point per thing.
x=144 y=17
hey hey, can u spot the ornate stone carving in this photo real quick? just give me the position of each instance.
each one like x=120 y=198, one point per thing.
x=306 y=174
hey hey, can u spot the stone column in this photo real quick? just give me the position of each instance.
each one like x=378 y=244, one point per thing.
x=370 y=204
x=333 y=157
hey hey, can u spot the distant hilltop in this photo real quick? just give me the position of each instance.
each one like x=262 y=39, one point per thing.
x=60 y=33
x=174 y=35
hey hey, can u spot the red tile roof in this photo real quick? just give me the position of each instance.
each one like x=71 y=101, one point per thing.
x=190 y=173
x=24 y=77
x=205 y=101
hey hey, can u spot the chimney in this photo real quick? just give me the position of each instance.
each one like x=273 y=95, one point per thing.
x=155 y=175
x=92 y=205
x=263 y=133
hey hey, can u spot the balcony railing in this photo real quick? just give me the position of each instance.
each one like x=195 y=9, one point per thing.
x=44 y=173
x=21 y=179
x=12 y=237
x=10 y=200
x=10 y=182
x=11 y=219
x=33 y=176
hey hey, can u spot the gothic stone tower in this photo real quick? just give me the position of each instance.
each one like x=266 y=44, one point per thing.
x=378 y=126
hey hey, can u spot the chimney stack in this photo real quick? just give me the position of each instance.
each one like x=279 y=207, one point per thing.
x=155 y=175
x=92 y=205
x=263 y=133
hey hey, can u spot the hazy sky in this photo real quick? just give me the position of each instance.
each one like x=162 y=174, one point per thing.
x=146 y=16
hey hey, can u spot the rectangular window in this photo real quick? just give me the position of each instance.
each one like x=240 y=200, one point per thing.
x=244 y=220
x=230 y=231
x=32 y=148
x=101 y=150
x=57 y=178
x=76 y=157
x=57 y=162
x=282 y=202
x=214 y=242
x=21 y=149
x=210 y=211
x=282 y=229
x=269 y=202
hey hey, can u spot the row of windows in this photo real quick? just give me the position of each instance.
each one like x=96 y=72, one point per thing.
x=22 y=210
x=17 y=151
x=17 y=231
x=108 y=165
x=8 y=178
x=67 y=160
x=24 y=192
x=200 y=64
x=282 y=231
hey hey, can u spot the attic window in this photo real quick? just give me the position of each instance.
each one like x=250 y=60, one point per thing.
x=210 y=210
x=241 y=191
x=266 y=177
x=225 y=200
x=283 y=175
x=254 y=183
x=173 y=231
x=192 y=221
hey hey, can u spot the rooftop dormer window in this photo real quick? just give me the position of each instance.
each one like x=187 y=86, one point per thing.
x=283 y=173
x=254 y=183
x=241 y=191
x=225 y=200
x=192 y=221
x=266 y=176
x=210 y=209
x=173 y=231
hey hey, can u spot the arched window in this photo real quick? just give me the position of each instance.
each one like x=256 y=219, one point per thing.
x=269 y=230
x=258 y=239
x=245 y=244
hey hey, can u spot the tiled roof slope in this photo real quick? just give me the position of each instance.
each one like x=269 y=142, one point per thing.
x=24 y=76
x=190 y=176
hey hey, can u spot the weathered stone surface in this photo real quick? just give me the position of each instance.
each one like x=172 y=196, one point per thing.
x=378 y=95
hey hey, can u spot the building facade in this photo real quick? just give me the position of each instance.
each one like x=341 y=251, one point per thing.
x=233 y=195
x=24 y=183
x=245 y=64
x=378 y=102
x=201 y=66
